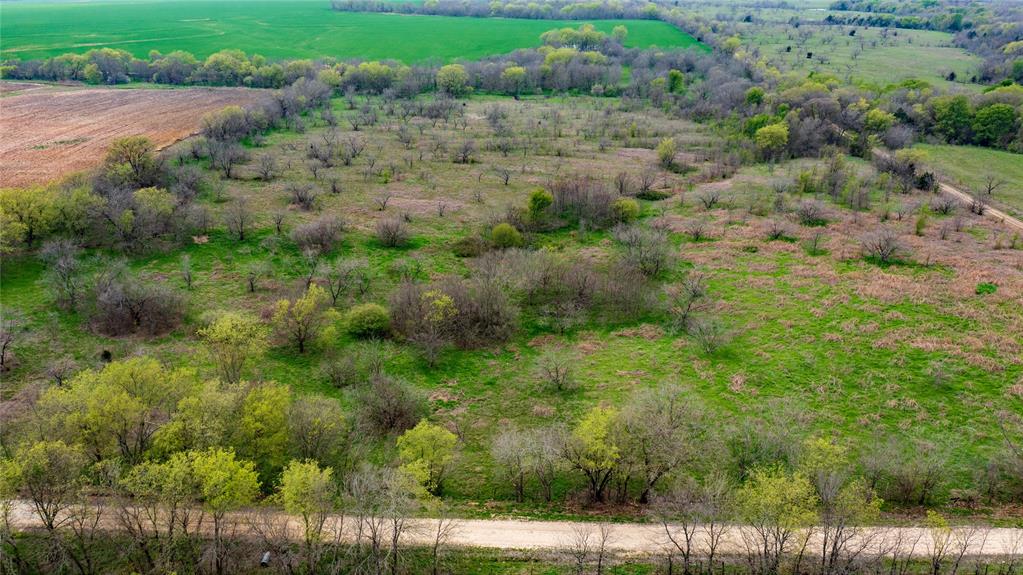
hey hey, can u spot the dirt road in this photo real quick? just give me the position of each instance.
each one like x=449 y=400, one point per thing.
x=625 y=538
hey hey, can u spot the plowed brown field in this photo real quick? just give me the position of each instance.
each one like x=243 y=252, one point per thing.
x=47 y=132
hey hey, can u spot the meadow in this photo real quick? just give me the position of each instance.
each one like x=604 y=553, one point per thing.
x=970 y=166
x=280 y=29
x=827 y=342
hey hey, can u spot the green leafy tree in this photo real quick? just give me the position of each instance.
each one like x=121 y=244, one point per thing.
x=953 y=118
x=878 y=121
x=453 y=79
x=233 y=340
x=261 y=428
x=755 y=96
x=591 y=448
x=301 y=320
x=425 y=452
x=25 y=215
x=116 y=411
x=994 y=125
x=772 y=139
x=667 y=151
x=225 y=484
x=514 y=79
x=49 y=473
x=620 y=33
x=308 y=491
x=539 y=200
x=777 y=507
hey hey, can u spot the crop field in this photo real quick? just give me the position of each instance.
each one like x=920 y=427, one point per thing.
x=971 y=166
x=53 y=131
x=280 y=29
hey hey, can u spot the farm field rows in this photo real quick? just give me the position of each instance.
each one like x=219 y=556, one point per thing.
x=53 y=131
x=281 y=29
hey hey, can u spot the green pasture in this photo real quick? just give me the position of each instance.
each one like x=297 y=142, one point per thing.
x=970 y=166
x=279 y=29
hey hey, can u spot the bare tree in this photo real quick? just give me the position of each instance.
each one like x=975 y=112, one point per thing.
x=267 y=167
x=63 y=271
x=884 y=245
x=238 y=217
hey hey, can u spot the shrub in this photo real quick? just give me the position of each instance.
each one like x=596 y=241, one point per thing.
x=556 y=372
x=624 y=210
x=392 y=232
x=504 y=235
x=368 y=320
x=647 y=250
x=123 y=305
x=319 y=235
x=539 y=200
x=811 y=213
x=340 y=371
x=303 y=195
x=388 y=405
x=986 y=288
x=709 y=334
x=884 y=246
x=470 y=246
x=667 y=150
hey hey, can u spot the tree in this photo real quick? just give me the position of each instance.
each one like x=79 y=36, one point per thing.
x=425 y=452
x=514 y=79
x=620 y=33
x=884 y=246
x=260 y=428
x=591 y=448
x=234 y=339
x=238 y=217
x=952 y=118
x=772 y=139
x=301 y=319
x=539 y=200
x=225 y=484
x=26 y=215
x=50 y=474
x=453 y=79
x=511 y=452
x=63 y=274
x=660 y=432
x=878 y=121
x=667 y=150
x=504 y=235
x=307 y=490
x=116 y=411
x=994 y=125
x=316 y=428
x=131 y=161
x=777 y=506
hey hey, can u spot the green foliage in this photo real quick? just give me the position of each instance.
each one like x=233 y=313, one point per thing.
x=667 y=150
x=453 y=79
x=301 y=320
x=985 y=288
x=234 y=339
x=368 y=320
x=625 y=210
x=114 y=412
x=260 y=432
x=225 y=483
x=755 y=96
x=772 y=138
x=877 y=120
x=539 y=200
x=425 y=452
x=504 y=235
x=994 y=124
x=308 y=491
x=773 y=496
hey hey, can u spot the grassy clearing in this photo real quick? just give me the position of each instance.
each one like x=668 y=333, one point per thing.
x=279 y=29
x=970 y=166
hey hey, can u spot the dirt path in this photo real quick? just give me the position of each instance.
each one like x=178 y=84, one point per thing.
x=967 y=199
x=625 y=538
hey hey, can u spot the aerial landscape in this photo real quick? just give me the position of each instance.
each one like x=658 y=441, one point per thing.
x=495 y=286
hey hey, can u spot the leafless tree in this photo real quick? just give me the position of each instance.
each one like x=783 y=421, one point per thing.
x=63 y=271
x=884 y=245
x=465 y=152
x=238 y=217
x=267 y=167
x=392 y=232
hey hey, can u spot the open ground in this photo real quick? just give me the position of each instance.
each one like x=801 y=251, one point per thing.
x=52 y=131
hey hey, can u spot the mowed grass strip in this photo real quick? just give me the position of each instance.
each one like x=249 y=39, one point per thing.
x=281 y=29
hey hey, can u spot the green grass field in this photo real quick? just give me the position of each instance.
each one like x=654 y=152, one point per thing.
x=279 y=29
x=969 y=166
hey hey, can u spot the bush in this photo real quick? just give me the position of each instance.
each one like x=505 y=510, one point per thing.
x=387 y=406
x=470 y=246
x=647 y=250
x=624 y=210
x=811 y=213
x=504 y=235
x=368 y=320
x=319 y=235
x=986 y=288
x=392 y=232
x=884 y=246
x=539 y=200
x=123 y=305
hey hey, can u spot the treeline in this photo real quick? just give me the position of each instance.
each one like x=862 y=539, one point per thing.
x=554 y=10
x=945 y=23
